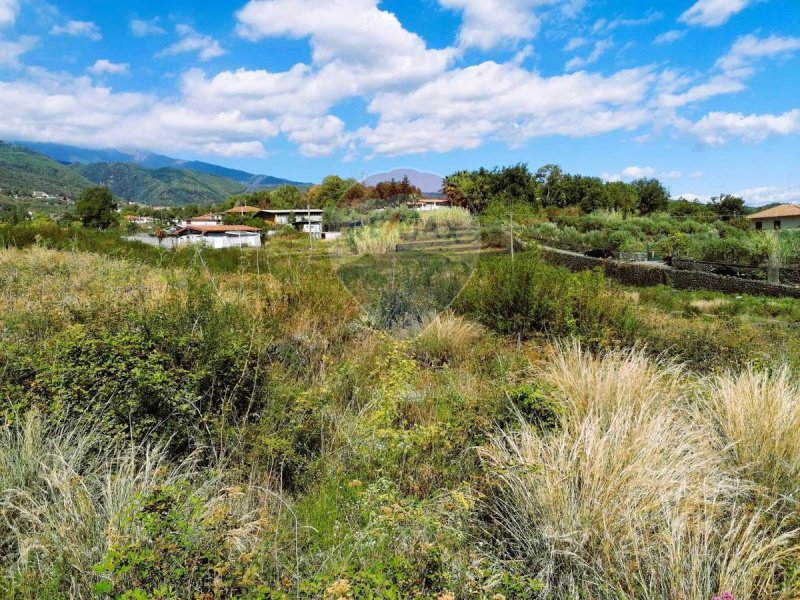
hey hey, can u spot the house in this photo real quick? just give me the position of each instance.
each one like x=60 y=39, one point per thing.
x=208 y=219
x=307 y=220
x=139 y=220
x=219 y=236
x=785 y=216
x=426 y=204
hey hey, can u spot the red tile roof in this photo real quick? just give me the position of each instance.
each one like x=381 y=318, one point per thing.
x=207 y=217
x=784 y=210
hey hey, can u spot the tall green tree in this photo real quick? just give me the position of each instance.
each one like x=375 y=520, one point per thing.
x=96 y=208
x=727 y=206
x=653 y=196
x=622 y=197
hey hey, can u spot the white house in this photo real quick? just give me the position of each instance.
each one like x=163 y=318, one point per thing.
x=426 y=204
x=209 y=219
x=785 y=216
x=139 y=220
x=219 y=236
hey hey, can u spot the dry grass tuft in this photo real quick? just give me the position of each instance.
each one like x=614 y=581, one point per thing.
x=633 y=498
x=756 y=415
x=447 y=338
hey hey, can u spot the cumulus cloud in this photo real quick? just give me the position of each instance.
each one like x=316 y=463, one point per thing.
x=713 y=13
x=144 y=28
x=760 y=196
x=464 y=107
x=717 y=128
x=86 y=29
x=490 y=23
x=638 y=172
x=8 y=12
x=192 y=41
x=103 y=67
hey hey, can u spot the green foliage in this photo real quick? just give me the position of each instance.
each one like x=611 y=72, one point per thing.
x=524 y=296
x=160 y=187
x=653 y=196
x=25 y=171
x=96 y=208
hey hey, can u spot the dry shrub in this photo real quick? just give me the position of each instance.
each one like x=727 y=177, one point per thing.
x=375 y=240
x=632 y=498
x=447 y=338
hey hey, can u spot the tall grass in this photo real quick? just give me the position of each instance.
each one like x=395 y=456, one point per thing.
x=446 y=338
x=375 y=240
x=67 y=498
x=632 y=497
x=446 y=218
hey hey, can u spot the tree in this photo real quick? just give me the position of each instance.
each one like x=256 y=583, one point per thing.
x=286 y=196
x=622 y=197
x=331 y=191
x=653 y=196
x=727 y=206
x=96 y=208
x=550 y=179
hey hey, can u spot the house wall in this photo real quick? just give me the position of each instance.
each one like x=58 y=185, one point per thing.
x=786 y=223
x=222 y=241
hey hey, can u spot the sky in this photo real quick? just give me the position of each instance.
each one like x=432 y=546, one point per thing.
x=703 y=94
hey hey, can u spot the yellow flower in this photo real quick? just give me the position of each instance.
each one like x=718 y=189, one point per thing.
x=446 y=596
x=355 y=483
x=498 y=597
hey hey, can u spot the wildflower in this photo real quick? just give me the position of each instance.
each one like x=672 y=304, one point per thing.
x=498 y=597
x=356 y=483
x=446 y=596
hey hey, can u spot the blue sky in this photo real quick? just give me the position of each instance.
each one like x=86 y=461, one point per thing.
x=704 y=94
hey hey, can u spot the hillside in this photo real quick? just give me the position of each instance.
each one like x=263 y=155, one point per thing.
x=150 y=160
x=26 y=171
x=160 y=187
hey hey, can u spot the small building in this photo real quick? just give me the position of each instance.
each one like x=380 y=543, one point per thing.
x=784 y=216
x=219 y=236
x=139 y=220
x=207 y=219
x=426 y=204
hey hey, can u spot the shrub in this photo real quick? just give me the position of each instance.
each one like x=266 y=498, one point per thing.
x=524 y=296
x=374 y=240
x=446 y=218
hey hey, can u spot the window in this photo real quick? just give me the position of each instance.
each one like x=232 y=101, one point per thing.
x=776 y=224
x=759 y=225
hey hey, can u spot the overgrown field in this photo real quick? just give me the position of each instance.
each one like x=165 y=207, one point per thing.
x=245 y=425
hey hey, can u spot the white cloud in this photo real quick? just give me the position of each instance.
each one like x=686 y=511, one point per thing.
x=670 y=174
x=490 y=23
x=746 y=49
x=103 y=66
x=10 y=51
x=717 y=128
x=192 y=41
x=8 y=12
x=638 y=172
x=143 y=28
x=464 y=107
x=697 y=175
x=575 y=43
x=600 y=47
x=712 y=13
x=669 y=36
x=759 y=196
x=731 y=69
x=52 y=107
x=607 y=26
x=86 y=29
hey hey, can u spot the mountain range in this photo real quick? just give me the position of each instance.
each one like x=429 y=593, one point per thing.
x=145 y=178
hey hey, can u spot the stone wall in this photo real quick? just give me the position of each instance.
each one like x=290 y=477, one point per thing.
x=647 y=275
x=789 y=274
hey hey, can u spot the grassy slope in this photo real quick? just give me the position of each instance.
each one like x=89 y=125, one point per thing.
x=29 y=171
x=161 y=187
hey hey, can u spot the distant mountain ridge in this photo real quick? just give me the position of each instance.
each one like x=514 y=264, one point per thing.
x=160 y=187
x=150 y=160
x=429 y=183
x=23 y=170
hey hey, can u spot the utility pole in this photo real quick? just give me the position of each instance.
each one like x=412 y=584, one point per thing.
x=310 y=236
x=512 y=236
